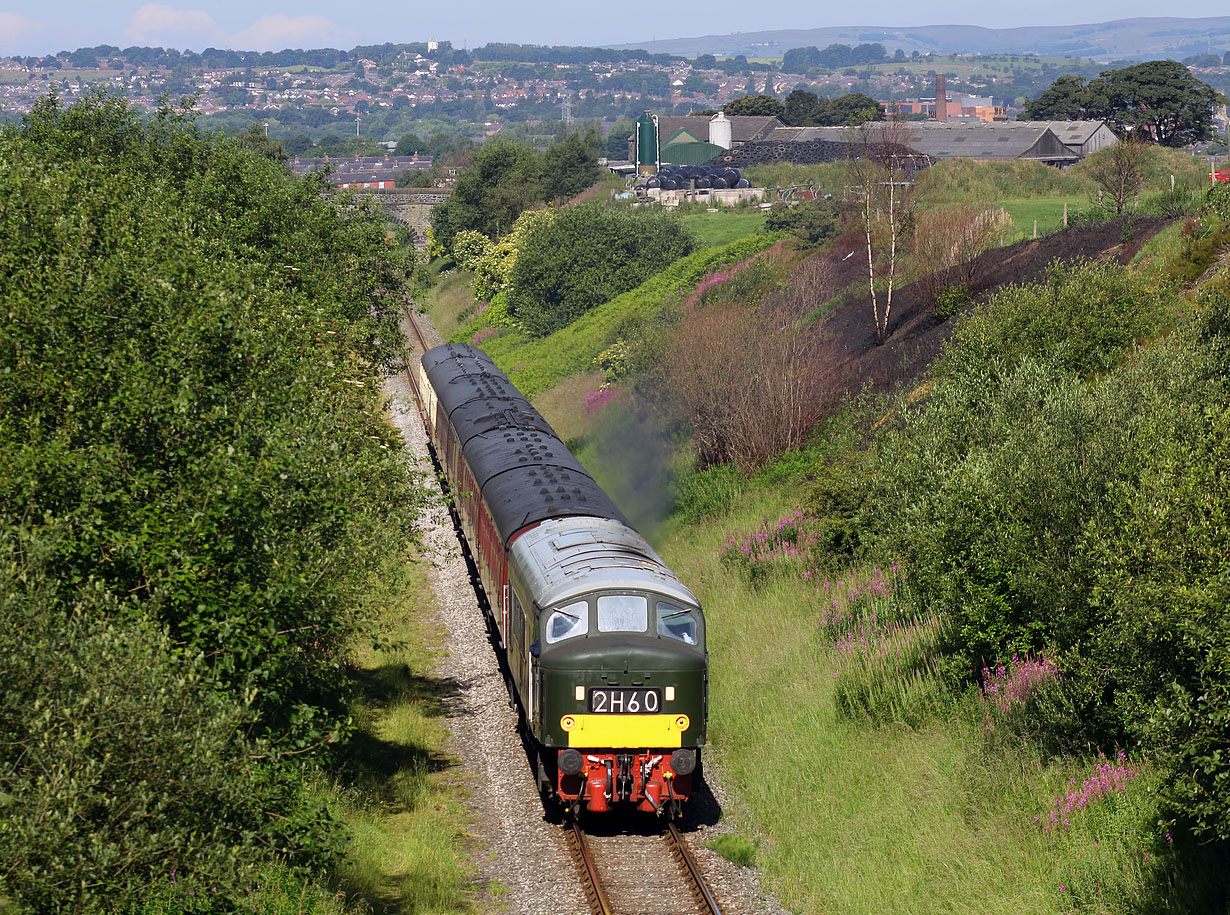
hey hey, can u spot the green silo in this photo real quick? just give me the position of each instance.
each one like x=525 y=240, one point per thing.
x=647 y=156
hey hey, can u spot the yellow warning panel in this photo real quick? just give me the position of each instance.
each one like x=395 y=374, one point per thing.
x=619 y=731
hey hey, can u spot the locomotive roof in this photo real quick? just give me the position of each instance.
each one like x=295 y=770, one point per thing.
x=523 y=470
x=563 y=559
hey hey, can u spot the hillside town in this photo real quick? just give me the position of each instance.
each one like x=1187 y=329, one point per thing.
x=381 y=92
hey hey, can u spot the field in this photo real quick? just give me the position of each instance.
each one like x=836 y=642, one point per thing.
x=967 y=65
x=1048 y=213
x=725 y=225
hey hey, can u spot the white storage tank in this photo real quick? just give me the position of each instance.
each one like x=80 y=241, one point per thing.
x=719 y=130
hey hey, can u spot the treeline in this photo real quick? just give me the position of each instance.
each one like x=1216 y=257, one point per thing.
x=197 y=493
x=565 y=54
x=835 y=56
x=382 y=54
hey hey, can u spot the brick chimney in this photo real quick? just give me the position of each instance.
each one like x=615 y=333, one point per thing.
x=941 y=98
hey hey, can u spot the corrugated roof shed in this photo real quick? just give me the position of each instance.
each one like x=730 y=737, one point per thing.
x=948 y=139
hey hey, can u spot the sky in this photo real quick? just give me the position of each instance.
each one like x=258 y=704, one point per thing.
x=260 y=25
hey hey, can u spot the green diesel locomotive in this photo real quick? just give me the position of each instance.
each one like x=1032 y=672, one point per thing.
x=605 y=647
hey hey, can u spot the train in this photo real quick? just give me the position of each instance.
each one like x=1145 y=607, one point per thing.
x=604 y=646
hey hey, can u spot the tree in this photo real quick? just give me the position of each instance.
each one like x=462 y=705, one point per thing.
x=800 y=105
x=812 y=222
x=705 y=62
x=1118 y=171
x=755 y=106
x=409 y=144
x=800 y=60
x=616 y=146
x=851 y=109
x=1158 y=99
x=587 y=255
x=1063 y=100
x=879 y=166
x=502 y=180
x=259 y=142
x=571 y=166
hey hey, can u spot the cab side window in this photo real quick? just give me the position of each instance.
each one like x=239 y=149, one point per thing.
x=567 y=622
x=677 y=622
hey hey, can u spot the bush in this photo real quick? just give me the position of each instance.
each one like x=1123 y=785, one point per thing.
x=947 y=245
x=1217 y=201
x=1063 y=490
x=951 y=301
x=125 y=768
x=1084 y=315
x=192 y=450
x=588 y=255
x=812 y=222
x=749 y=382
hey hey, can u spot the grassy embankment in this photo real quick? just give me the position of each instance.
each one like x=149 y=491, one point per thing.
x=1027 y=191
x=941 y=814
x=537 y=364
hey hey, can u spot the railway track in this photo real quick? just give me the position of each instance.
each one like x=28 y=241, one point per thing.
x=629 y=874
x=411 y=360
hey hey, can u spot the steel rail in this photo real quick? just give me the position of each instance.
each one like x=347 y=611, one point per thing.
x=595 y=894
x=409 y=363
x=699 y=887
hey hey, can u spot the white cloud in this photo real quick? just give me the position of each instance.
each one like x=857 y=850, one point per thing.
x=21 y=35
x=276 y=31
x=157 y=24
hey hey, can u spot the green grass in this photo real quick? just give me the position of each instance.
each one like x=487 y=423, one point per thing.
x=404 y=807
x=14 y=77
x=831 y=177
x=450 y=302
x=724 y=226
x=1048 y=211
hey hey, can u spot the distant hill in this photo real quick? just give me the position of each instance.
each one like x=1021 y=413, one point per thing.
x=1124 y=39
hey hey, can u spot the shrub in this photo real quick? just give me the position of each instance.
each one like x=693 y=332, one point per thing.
x=947 y=244
x=1217 y=200
x=951 y=301
x=493 y=269
x=124 y=767
x=588 y=255
x=1085 y=316
x=812 y=222
x=192 y=450
x=750 y=383
x=470 y=247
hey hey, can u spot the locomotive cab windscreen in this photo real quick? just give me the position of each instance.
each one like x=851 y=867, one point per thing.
x=648 y=615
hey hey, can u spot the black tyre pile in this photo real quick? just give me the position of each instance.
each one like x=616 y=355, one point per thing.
x=694 y=178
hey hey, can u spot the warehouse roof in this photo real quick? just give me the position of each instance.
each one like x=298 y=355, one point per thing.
x=968 y=139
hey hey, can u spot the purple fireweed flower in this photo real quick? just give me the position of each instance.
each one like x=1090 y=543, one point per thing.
x=1010 y=684
x=1107 y=779
x=596 y=400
